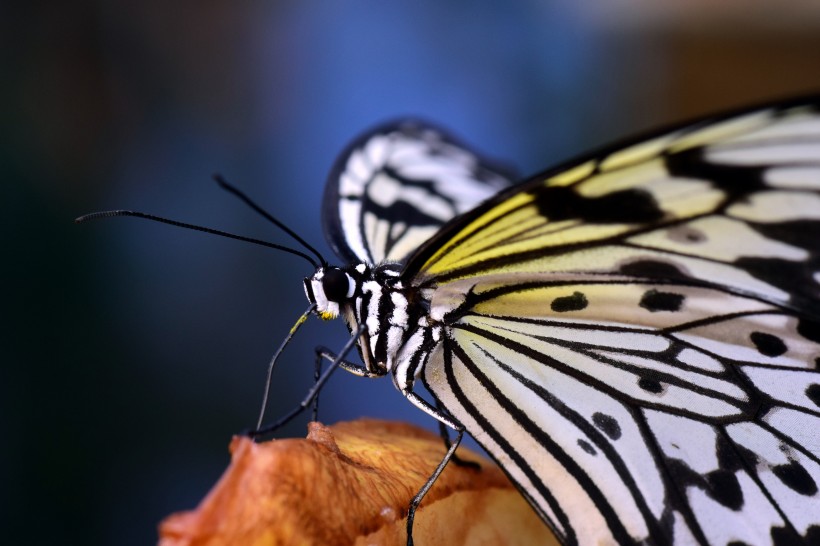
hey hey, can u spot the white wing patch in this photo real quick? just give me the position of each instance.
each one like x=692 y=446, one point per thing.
x=778 y=206
x=395 y=188
x=793 y=177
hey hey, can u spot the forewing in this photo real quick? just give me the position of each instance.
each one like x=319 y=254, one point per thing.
x=635 y=338
x=732 y=203
x=395 y=186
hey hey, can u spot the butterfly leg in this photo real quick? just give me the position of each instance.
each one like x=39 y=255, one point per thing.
x=414 y=504
x=445 y=436
x=317 y=373
x=323 y=353
x=337 y=361
x=443 y=420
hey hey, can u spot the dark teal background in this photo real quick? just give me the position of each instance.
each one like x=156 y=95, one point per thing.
x=131 y=351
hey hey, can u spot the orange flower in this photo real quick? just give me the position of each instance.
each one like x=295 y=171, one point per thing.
x=351 y=484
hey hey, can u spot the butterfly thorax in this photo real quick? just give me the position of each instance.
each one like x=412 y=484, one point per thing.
x=373 y=296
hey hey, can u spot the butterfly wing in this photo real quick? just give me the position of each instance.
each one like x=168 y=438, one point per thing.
x=394 y=187
x=635 y=338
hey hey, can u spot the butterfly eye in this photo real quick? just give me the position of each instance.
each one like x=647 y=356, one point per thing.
x=335 y=285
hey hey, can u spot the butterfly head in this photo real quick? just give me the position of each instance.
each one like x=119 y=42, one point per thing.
x=327 y=289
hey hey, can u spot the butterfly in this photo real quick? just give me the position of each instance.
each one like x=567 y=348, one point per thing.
x=633 y=336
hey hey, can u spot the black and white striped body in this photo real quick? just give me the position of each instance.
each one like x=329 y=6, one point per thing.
x=394 y=314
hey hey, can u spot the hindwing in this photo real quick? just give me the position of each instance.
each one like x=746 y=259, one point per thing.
x=394 y=187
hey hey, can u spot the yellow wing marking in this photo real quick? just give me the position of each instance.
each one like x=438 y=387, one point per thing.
x=638 y=153
x=573 y=175
x=505 y=208
x=516 y=226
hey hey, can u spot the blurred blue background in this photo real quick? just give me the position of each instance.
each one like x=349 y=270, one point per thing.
x=133 y=351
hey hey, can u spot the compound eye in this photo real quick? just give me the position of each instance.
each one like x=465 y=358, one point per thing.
x=335 y=285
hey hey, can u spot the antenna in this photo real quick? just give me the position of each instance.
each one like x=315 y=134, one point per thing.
x=248 y=201
x=135 y=214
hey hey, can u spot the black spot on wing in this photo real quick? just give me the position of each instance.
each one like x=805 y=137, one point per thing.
x=725 y=489
x=767 y=344
x=686 y=234
x=650 y=385
x=655 y=300
x=813 y=393
x=796 y=478
x=608 y=424
x=653 y=269
x=586 y=446
x=621 y=207
x=576 y=302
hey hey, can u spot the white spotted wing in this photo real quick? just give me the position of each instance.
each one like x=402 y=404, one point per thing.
x=635 y=337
